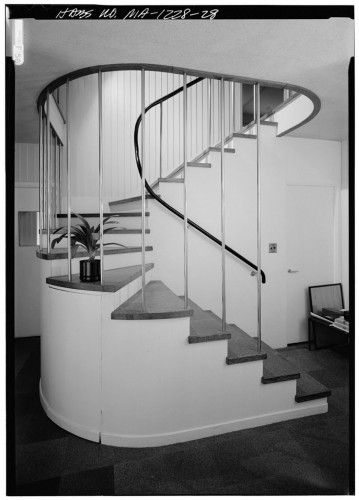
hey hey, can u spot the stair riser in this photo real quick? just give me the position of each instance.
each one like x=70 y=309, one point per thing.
x=129 y=290
x=132 y=222
x=130 y=240
x=131 y=205
x=59 y=267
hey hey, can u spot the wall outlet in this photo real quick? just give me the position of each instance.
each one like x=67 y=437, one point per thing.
x=272 y=248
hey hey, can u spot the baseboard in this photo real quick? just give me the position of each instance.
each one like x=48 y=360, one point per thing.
x=135 y=441
x=64 y=423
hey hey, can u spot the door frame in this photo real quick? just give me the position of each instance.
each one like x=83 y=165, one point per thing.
x=337 y=268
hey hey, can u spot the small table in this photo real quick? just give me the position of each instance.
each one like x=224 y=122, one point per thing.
x=316 y=319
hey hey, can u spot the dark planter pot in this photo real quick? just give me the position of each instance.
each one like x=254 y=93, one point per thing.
x=90 y=270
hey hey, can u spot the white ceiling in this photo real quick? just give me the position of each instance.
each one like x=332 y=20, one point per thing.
x=310 y=53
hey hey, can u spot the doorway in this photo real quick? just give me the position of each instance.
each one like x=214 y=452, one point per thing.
x=310 y=250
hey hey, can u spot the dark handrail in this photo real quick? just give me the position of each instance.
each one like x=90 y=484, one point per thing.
x=169 y=207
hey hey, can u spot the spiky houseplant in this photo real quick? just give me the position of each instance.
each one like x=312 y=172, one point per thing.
x=87 y=237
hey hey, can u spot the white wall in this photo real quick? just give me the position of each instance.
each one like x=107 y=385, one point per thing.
x=121 y=108
x=27 y=270
x=345 y=221
x=292 y=114
x=26 y=162
x=285 y=161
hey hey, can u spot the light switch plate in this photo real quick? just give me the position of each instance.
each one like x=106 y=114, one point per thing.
x=272 y=248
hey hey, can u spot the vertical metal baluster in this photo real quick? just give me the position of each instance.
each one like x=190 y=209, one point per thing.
x=68 y=173
x=173 y=123
x=161 y=131
x=209 y=112
x=254 y=108
x=41 y=180
x=54 y=187
x=143 y=190
x=259 y=256
x=185 y=226
x=48 y=168
x=202 y=108
x=240 y=103
x=233 y=107
x=219 y=110
x=230 y=101
x=100 y=151
x=60 y=204
x=223 y=233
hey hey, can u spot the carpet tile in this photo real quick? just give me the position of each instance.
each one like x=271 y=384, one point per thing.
x=297 y=457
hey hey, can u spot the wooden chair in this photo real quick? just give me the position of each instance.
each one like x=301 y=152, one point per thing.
x=323 y=297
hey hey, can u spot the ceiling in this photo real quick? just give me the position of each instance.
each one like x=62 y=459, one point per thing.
x=310 y=53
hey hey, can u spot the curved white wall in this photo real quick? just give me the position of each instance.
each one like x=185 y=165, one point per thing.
x=295 y=112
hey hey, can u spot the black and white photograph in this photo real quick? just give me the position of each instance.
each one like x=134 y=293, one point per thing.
x=179 y=233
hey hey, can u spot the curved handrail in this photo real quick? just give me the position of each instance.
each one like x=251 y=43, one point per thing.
x=165 y=204
x=79 y=73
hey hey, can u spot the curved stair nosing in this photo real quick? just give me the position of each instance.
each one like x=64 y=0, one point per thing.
x=94 y=215
x=114 y=279
x=160 y=303
x=52 y=255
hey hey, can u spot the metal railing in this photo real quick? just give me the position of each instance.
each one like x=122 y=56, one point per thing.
x=210 y=115
x=183 y=169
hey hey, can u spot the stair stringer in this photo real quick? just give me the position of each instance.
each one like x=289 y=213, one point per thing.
x=203 y=201
x=157 y=389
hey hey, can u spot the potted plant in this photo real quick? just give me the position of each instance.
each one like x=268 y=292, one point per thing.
x=88 y=237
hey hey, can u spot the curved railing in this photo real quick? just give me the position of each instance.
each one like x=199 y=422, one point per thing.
x=167 y=205
x=46 y=102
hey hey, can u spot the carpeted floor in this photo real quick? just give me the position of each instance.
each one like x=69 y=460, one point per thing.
x=303 y=456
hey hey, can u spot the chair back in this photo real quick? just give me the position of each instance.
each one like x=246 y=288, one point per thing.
x=326 y=296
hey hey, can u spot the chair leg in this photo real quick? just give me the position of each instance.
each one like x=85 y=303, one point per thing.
x=315 y=336
x=309 y=334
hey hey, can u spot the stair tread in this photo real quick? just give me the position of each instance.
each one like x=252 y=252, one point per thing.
x=203 y=327
x=198 y=164
x=90 y=215
x=161 y=303
x=226 y=150
x=308 y=389
x=114 y=279
x=61 y=253
x=242 y=347
x=112 y=231
x=171 y=179
x=206 y=326
x=276 y=368
x=245 y=136
x=129 y=200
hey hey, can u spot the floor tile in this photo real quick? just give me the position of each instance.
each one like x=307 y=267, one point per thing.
x=285 y=470
x=37 y=427
x=91 y=482
x=41 y=460
x=300 y=456
x=81 y=455
x=48 y=487
x=27 y=380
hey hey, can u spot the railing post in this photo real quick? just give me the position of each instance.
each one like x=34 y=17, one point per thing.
x=259 y=245
x=48 y=169
x=100 y=154
x=233 y=107
x=41 y=180
x=185 y=225
x=143 y=190
x=68 y=174
x=240 y=104
x=209 y=111
x=161 y=138
x=223 y=233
